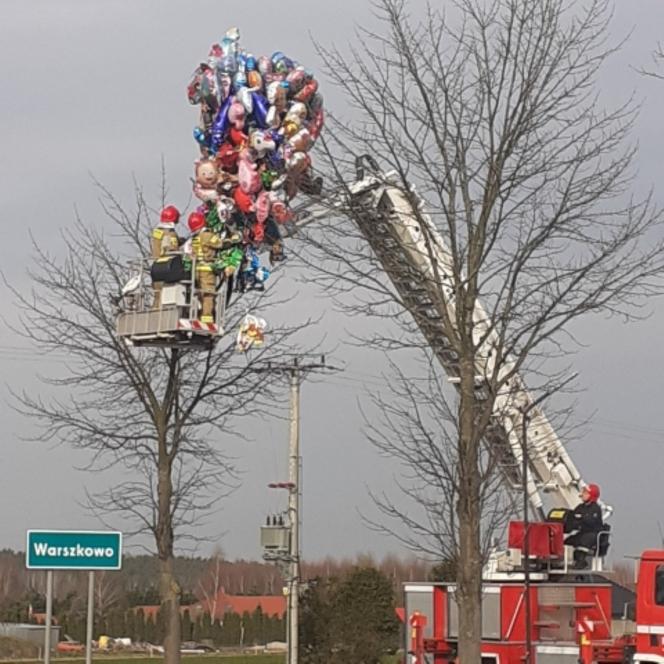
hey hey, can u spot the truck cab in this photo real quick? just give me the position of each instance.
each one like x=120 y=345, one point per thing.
x=650 y=609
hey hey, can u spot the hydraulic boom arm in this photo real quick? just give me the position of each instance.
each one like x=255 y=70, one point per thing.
x=420 y=267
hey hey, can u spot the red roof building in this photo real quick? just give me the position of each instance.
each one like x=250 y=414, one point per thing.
x=150 y=610
x=270 y=605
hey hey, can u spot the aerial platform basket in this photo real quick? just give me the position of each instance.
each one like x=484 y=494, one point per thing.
x=175 y=321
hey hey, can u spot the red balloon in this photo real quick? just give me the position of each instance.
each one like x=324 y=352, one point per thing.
x=227 y=158
x=244 y=202
x=237 y=137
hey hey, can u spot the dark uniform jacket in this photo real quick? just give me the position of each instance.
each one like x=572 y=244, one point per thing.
x=586 y=517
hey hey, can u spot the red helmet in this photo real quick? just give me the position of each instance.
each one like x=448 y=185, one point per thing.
x=196 y=221
x=593 y=492
x=170 y=214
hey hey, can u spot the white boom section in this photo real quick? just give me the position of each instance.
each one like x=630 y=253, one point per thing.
x=386 y=219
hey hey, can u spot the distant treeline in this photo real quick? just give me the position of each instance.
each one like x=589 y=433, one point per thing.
x=118 y=593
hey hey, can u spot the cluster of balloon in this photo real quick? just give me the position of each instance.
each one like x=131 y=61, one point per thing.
x=259 y=117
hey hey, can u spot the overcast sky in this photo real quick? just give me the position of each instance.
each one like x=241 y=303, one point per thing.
x=99 y=87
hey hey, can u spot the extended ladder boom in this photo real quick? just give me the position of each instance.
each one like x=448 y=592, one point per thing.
x=385 y=217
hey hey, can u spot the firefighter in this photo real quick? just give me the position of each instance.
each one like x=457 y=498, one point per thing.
x=584 y=523
x=205 y=245
x=163 y=241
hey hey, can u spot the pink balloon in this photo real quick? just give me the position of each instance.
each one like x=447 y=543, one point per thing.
x=248 y=177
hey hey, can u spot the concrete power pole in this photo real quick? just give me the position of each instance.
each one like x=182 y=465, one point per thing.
x=296 y=371
x=294 y=516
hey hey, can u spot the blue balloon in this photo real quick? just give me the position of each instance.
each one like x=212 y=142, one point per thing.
x=239 y=80
x=276 y=136
x=261 y=107
x=251 y=63
x=229 y=45
x=275 y=161
x=220 y=126
x=281 y=63
x=200 y=137
x=254 y=260
x=228 y=64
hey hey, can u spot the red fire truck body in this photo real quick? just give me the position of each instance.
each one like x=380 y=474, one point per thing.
x=650 y=608
x=570 y=618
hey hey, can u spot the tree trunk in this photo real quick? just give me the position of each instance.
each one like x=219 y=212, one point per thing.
x=170 y=608
x=469 y=574
x=169 y=590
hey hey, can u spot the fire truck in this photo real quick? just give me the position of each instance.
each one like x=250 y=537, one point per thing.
x=535 y=607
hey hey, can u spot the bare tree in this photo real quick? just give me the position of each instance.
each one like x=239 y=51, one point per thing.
x=418 y=427
x=12 y=577
x=108 y=592
x=211 y=584
x=490 y=109
x=159 y=417
x=658 y=60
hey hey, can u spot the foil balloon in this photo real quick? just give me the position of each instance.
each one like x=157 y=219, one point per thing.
x=261 y=143
x=251 y=333
x=263 y=204
x=244 y=202
x=220 y=126
x=254 y=80
x=200 y=137
x=260 y=110
x=248 y=177
x=253 y=275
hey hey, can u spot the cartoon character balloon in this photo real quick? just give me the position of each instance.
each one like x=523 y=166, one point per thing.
x=251 y=333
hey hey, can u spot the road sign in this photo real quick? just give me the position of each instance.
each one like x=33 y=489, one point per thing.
x=70 y=549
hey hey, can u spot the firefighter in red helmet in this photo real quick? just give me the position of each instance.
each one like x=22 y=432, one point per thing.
x=163 y=241
x=584 y=523
x=205 y=245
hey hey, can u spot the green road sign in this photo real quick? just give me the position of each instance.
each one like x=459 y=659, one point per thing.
x=70 y=549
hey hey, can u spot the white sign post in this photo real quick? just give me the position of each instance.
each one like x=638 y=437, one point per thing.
x=88 y=631
x=49 y=616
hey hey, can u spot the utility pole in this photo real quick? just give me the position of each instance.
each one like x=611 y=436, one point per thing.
x=294 y=515
x=297 y=371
